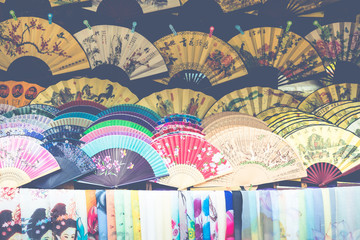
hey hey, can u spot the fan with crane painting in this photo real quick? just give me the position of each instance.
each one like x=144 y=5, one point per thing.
x=197 y=56
x=32 y=36
x=178 y=100
x=18 y=94
x=119 y=46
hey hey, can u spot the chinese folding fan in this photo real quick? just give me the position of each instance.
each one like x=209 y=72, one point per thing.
x=21 y=131
x=50 y=109
x=18 y=94
x=178 y=100
x=330 y=94
x=196 y=51
x=81 y=103
x=180 y=117
x=177 y=126
x=58 y=3
x=293 y=56
x=342 y=112
x=119 y=46
x=82 y=122
x=23 y=159
x=29 y=118
x=73 y=162
x=104 y=92
x=257 y=157
x=132 y=108
x=190 y=160
x=252 y=100
x=4 y=108
x=88 y=109
x=77 y=115
x=28 y=110
x=63 y=132
x=122 y=160
x=32 y=36
x=230 y=5
x=336 y=42
x=30 y=125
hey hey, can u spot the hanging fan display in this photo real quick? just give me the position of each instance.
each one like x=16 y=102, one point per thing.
x=293 y=56
x=178 y=100
x=17 y=94
x=82 y=122
x=58 y=3
x=22 y=160
x=104 y=92
x=132 y=108
x=119 y=46
x=197 y=51
x=336 y=42
x=257 y=156
x=122 y=160
x=330 y=94
x=82 y=103
x=190 y=160
x=32 y=36
x=252 y=100
x=4 y=108
x=333 y=149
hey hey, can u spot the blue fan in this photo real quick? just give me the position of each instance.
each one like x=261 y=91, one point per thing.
x=77 y=115
x=180 y=118
x=47 y=108
x=20 y=131
x=132 y=108
x=64 y=128
x=28 y=110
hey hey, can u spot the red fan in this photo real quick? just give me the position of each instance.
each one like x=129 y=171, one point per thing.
x=82 y=103
x=321 y=172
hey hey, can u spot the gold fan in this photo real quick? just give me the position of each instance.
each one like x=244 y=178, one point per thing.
x=32 y=36
x=57 y=3
x=338 y=113
x=18 y=94
x=119 y=46
x=178 y=100
x=267 y=113
x=197 y=51
x=252 y=100
x=105 y=92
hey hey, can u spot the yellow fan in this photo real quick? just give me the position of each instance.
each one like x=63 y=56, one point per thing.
x=267 y=113
x=57 y=3
x=252 y=100
x=293 y=56
x=338 y=113
x=119 y=46
x=230 y=5
x=18 y=94
x=178 y=100
x=32 y=36
x=324 y=109
x=330 y=94
x=197 y=51
x=105 y=92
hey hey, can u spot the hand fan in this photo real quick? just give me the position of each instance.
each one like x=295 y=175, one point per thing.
x=348 y=119
x=104 y=131
x=197 y=51
x=4 y=108
x=354 y=127
x=58 y=3
x=174 y=130
x=30 y=125
x=73 y=163
x=293 y=56
x=11 y=214
x=149 y=6
x=32 y=36
x=21 y=132
x=23 y=160
x=82 y=122
x=338 y=113
x=252 y=100
x=105 y=92
x=178 y=124
x=28 y=110
x=64 y=128
x=181 y=118
x=132 y=108
x=178 y=100
x=62 y=135
x=332 y=149
x=136 y=161
x=78 y=108
x=281 y=117
x=171 y=133
x=190 y=160
x=257 y=156
x=77 y=115
x=29 y=117
x=119 y=123
x=47 y=108
x=330 y=94
x=119 y=46
x=229 y=6
x=141 y=136
x=82 y=103
x=324 y=109
x=15 y=93
x=336 y=42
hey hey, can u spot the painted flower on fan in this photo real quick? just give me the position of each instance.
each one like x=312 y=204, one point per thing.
x=107 y=159
x=227 y=61
x=334 y=48
x=131 y=166
x=264 y=49
x=176 y=151
x=199 y=157
x=321 y=47
x=123 y=153
x=355 y=40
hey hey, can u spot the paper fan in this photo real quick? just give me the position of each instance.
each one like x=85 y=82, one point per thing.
x=132 y=108
x=28 y=110
x=257 y=156
x=230 y=5
x=330 y=94
x=32 y=36
x=180 y=117
x=30 y=125
x=175 y=125
x=29 y=117
x=293 y=56
x=123 y=160
x=196 y=51
x=58 y=3
x=19 y=131
x=86 y=109
x=340 y=112
x=252 y=100
x=77 y=115
x=4 y=108
x=178 y=130
x=64 y=128
x=66 y=135
x=105 y=92
x=22 y=160
x=47 y=108
x=154 y=5
x=82 y=103
x=82 y=122
x=330 y=145
x=17 y=94
x=119 y=46
x=190 y=160
x=178 y=100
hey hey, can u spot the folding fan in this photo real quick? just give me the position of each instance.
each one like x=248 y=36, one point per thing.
x=89 y=109
x=252 y=100
x=132 y=108
x=4 y=108
x=47 y=108
x=28 y=110
x=178 y=100
x=58 y=3
x=257 y=156
x=105 y=92
x=19 y=131
x=196 y=51
x=190 y=160
x=77 y=115
x=326 y=151
x=66 y=135
x=82 y=122
x=354 y=127
x=29 y=117
x=32 y=36
x=17 y=94
x=73 y=163
x=330 y=94
x=339 y=113
x=336 y=42
x=63 y=129
x=175 y=130
x=119 y=46
x=123 y=160
x=178 y=126
x=181 y=118
x=82 y=103
x=30 y=125
x=348 y=119
x=293 y=56
x=23 y=160
x=229 y=5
